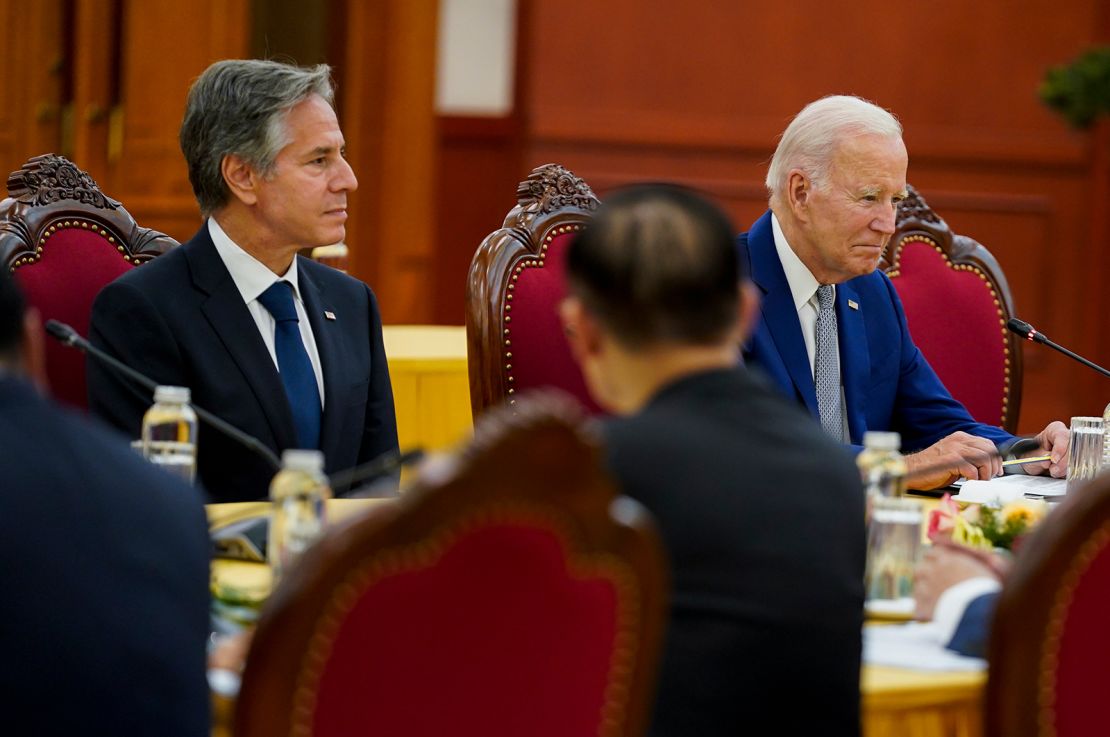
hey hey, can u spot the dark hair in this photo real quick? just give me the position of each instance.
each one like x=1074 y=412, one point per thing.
x=658 y=265
x=11 y=317
x=238 y=106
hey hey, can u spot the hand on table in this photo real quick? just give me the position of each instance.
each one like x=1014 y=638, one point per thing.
x=943 y=566
x=1053 y=441
x=951 y=457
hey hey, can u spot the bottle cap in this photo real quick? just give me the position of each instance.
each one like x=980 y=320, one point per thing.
x=172 y=394
x=302 y=460
x=882 y=440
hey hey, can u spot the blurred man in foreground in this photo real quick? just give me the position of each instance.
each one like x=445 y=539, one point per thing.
x=832 y=333
x=286 y=349
x=105 y=577
x=761 y=512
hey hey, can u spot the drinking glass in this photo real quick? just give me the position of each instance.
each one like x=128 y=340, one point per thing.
x=1084 y=450
x=893 y=545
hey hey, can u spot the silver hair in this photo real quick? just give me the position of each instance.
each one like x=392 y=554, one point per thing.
x=238 y=106
x=810 y=140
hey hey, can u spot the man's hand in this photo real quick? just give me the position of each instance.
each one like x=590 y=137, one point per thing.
x=944 y=566
x=948 y=459
x=1053 y=441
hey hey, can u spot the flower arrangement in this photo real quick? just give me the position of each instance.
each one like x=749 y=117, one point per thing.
x=984 y=527
x=1080 y=91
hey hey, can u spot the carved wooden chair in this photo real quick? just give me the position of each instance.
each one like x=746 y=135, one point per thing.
x=514 y=338
x=63 y=240
x=1049 y=649
x=957 y=303
x=509 y=592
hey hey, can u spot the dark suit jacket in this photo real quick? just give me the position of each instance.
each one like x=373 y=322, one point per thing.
x=763 y=517
x=973 y=631
x=104 y=605
x=181 y=320
x=888 y=384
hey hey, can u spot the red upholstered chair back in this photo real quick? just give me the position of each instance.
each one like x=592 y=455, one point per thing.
x=957 y=303
x=509 y=592
x=63 y=240
x=1049 y=652
x=514 y=338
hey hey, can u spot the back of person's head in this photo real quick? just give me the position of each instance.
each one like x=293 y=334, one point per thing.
x=238 y=107
x=810 y=140
x=658 y=265
x=11 y=320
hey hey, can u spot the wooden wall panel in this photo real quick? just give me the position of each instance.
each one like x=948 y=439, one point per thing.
x=34 y=59
x=164 y=47
x=699 y=92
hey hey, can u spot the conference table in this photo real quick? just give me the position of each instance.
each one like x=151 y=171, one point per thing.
x=427 y=366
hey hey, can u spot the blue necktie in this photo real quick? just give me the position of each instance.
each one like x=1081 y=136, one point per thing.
x=293 y=364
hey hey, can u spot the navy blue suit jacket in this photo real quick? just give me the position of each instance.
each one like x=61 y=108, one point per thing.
x=888 y=384
x=181 y=320
x=105 y=580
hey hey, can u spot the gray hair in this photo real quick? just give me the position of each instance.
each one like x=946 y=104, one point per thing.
x=810 y=140
x=238 y=106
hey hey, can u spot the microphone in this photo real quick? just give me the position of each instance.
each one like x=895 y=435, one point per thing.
x=68 y=336
x=386 y=463
x=1029 y=332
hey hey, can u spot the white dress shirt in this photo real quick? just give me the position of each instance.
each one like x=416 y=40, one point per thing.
x=803 y=287
x=252 y=278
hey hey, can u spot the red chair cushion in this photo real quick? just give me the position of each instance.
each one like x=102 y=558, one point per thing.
x=62 y=284
x=1083 y=658
x=525 y=648
x=955 y=322
x=541 y=356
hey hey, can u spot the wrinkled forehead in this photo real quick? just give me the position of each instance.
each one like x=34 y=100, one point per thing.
x=879 y=160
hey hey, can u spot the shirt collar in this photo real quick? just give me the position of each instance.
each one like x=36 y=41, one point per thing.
x=250 y=275
x=803 y=284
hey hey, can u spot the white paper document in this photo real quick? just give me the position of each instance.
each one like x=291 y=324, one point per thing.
x=914 y=645
x=1005 y=489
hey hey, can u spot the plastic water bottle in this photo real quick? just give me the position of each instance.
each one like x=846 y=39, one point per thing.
x=881 y=466
x=169 y=435
x=297 y=493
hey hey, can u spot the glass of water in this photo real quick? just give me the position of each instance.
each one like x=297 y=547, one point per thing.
x=893 y=545
x=1084 y=450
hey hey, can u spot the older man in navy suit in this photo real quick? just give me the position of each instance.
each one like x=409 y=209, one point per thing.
x=833 y=335
x=283 y=348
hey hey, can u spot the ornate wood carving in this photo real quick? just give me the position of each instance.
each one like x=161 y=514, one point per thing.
x=553 y=187
x=49 y=193
x=49 y=178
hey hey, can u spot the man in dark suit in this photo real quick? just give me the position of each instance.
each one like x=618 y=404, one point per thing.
x=833 y=335
x=283 y=348
x=763 y=515
x=105 y=576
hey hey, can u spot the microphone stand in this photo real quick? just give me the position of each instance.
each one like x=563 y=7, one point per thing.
x=1030 y=333
x=69 y=337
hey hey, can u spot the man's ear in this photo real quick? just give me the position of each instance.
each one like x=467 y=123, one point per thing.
x=32 y=351
x=241 y=179
x=581 y=330
x=799 y=187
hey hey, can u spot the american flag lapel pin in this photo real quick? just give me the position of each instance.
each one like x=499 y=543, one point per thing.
x=853 y=304
x=329 y=314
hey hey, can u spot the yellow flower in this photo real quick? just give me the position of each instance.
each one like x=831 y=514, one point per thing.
x=970 y=535
x=1024 y=512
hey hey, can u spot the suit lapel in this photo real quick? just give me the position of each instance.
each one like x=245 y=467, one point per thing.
x=780 y=317
x=327 y=336
x=230 y=319
x=855 y=358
